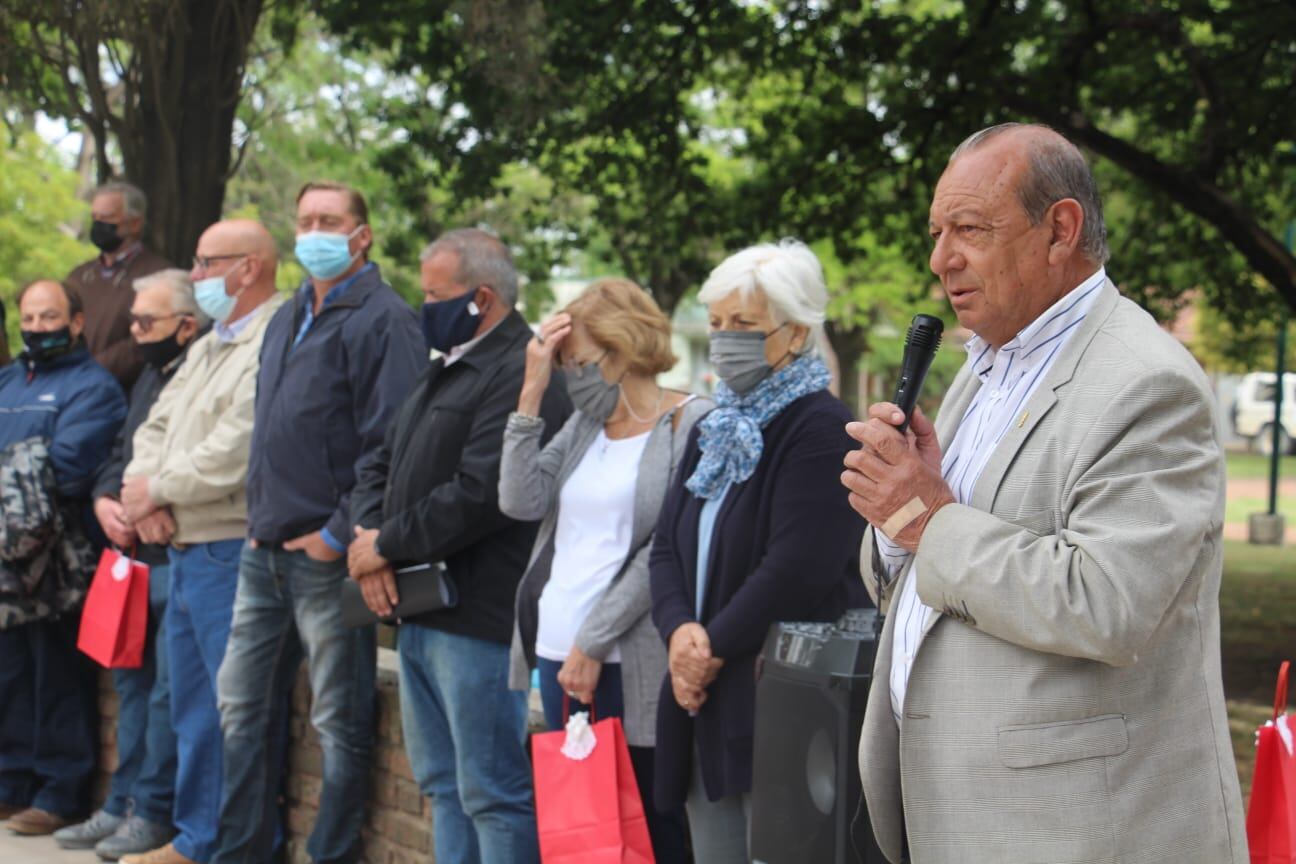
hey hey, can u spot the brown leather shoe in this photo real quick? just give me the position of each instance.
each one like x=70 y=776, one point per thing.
x=35 y=822
x=165 y=855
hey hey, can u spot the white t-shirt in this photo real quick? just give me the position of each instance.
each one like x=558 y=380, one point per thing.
x=591 y=542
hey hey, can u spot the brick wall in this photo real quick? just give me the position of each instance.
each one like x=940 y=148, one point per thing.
x=398 y=825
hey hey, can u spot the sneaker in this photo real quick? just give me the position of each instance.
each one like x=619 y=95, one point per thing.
x=35 y=822
x=136 y=835
x=85 y=835
x=166 y=855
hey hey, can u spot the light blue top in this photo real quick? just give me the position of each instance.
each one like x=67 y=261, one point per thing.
x=308 y=289
x=228 y=332
x=706 y=528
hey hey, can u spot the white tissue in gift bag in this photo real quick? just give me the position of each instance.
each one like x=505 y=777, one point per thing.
x=580 y=740
x=1286 y=733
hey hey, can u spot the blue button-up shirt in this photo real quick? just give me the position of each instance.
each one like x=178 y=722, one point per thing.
x=308 y=288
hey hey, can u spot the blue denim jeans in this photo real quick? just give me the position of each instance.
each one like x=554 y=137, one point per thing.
x=465 y=733
x=144 y=782
x=287 y=605
x=49 y=737
x=668 y=831
x=199 y=610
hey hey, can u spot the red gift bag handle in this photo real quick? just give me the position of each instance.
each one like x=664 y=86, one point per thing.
x=567 y=706
x=1280 y=692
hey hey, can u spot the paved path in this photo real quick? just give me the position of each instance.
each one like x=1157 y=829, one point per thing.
x=1258 y=487
x=38 y=850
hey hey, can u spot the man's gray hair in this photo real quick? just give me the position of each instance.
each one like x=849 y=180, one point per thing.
x=182 y=293
x=1057 y=170
x=483 y=260
x=134 y=202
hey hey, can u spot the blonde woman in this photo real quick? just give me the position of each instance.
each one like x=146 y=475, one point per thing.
x=583 y=606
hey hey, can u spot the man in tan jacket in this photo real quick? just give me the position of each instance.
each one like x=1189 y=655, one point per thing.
x=187 y=483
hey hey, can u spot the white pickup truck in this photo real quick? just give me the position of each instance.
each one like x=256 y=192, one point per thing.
x=1253 y=411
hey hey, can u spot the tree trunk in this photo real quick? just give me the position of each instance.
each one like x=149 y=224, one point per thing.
x=177 y=144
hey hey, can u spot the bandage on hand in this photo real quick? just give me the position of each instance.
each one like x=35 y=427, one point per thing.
x=900 y=519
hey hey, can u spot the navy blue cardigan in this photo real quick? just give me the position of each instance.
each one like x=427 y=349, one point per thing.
x=785 y=548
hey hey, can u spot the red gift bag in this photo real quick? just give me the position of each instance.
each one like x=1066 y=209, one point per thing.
x=588 y=810
x=1271 y=815
x=114 y=622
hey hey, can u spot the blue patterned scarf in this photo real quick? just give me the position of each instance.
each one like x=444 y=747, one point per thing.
x=731 y=440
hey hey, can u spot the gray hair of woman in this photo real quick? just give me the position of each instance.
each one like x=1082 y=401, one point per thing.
x=790 y=276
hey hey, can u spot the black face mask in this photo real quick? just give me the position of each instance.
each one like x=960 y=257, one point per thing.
x=160 y=353
x=105 y=236
x=47 y=344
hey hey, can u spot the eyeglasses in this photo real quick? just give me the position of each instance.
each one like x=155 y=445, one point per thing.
x=145 y=322
x=202 y=262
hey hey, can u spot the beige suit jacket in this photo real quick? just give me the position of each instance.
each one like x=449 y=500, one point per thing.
x=1066 y=703
x=194 y=445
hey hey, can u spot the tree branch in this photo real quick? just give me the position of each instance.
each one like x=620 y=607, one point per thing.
x=1262 y=250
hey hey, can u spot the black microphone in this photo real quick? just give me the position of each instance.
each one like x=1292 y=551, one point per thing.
x=920 y=348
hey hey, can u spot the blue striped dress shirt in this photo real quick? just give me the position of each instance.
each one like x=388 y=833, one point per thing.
x=1008 y=378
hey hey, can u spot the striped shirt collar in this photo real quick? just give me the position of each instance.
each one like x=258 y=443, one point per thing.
x=1031 y=344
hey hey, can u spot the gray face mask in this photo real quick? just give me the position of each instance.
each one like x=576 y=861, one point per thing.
x=739 y=358
x=592 y=396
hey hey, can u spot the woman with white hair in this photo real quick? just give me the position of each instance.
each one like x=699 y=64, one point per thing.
x=755 y=529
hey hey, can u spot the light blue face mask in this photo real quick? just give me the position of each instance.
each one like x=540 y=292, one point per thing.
x=324 y=255
x=212 y=299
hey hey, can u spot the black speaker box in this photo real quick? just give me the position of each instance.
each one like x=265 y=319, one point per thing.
x=811 y=690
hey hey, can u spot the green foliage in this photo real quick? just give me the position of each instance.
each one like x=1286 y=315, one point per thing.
x=697 y=128
x=1249 y=346
x=311 y=113
x=315 y=109
x=156 y=85
x=38 y=209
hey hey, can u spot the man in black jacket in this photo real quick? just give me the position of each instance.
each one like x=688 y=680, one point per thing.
x=136 y=816
x=336 y=363
x=430 y=495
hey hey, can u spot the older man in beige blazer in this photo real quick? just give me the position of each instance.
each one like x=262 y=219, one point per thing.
x=1047 y=686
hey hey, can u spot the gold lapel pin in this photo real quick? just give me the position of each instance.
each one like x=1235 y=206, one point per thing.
x=1022 y=422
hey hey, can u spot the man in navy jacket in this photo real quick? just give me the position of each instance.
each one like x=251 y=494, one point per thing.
x=335 y=365
x=57 y=393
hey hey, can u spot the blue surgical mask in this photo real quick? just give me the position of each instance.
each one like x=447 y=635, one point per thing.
x=450 y=323
x=325 y=256
x=212 y=299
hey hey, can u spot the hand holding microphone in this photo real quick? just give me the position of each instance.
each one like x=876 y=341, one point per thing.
x=894 y=477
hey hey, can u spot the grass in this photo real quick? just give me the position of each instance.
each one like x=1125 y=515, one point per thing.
x=1247 y=466
x=1238 y=509
x=1257 y=632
